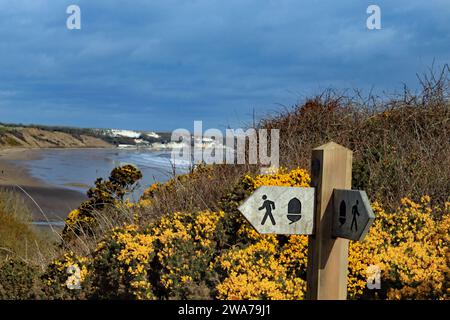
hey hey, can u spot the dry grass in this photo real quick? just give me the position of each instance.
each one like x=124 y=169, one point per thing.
x=200 y=191
x=401 y=146
x=18 y=238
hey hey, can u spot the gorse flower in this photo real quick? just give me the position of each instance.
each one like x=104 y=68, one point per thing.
x=218 y=254
x=128 y=251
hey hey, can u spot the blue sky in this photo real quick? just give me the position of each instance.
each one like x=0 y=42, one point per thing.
x=161 y=64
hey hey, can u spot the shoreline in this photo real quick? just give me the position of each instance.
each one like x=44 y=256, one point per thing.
x=12 y=174
x=20 y=175
x=56 y=202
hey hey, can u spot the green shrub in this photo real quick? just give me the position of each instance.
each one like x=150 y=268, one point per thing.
x=83 y=220
x=18 y=280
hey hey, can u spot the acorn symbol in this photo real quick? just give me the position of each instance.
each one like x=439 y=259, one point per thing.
x=294 y=210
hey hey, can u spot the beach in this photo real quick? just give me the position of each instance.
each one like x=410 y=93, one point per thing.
x=55 y=202
x=54 y=181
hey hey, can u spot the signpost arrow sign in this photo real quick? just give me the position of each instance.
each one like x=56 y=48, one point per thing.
x=280 y=210
x=353 y=215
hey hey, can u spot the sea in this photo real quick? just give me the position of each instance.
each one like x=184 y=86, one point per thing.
x=77 y=169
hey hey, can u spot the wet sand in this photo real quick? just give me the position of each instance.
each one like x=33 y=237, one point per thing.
x=55 y=202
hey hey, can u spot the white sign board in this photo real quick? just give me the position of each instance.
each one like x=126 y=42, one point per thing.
x=353 y=214
x=280 y=210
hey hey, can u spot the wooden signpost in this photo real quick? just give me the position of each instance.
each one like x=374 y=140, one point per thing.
x=330 y=213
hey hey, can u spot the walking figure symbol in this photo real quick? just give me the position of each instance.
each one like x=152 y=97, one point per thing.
x=355 y=213
x=269 y=206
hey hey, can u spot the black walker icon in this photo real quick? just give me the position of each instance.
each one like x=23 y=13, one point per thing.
x=269 y=206
x=355 y=213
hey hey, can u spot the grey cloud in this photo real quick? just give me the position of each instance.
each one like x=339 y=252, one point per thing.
x=161 y=64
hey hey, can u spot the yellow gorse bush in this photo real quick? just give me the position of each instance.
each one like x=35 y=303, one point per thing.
x=209 y=254
x=257 y=272
x=105 y=193
x=75 y=217
x=128 y=252
x=296 y=178
x=186 y=241
x=175 y=251
x=410 y=246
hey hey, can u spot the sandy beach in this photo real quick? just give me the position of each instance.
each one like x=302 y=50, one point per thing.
x=55 y=202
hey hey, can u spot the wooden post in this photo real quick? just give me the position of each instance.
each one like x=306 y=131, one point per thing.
x=331 y=168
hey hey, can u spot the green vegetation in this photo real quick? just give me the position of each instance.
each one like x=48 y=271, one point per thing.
x=18 y=280
x=69 y=130
x=24 y=250
x=18 y=238
x=12 y=135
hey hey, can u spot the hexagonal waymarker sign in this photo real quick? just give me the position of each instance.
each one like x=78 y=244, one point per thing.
x=280 y=210
x=353 y=214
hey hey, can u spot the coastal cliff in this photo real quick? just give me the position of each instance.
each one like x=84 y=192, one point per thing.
x=28 y=137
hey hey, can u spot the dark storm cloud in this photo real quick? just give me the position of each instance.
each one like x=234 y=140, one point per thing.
x=162 y=64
